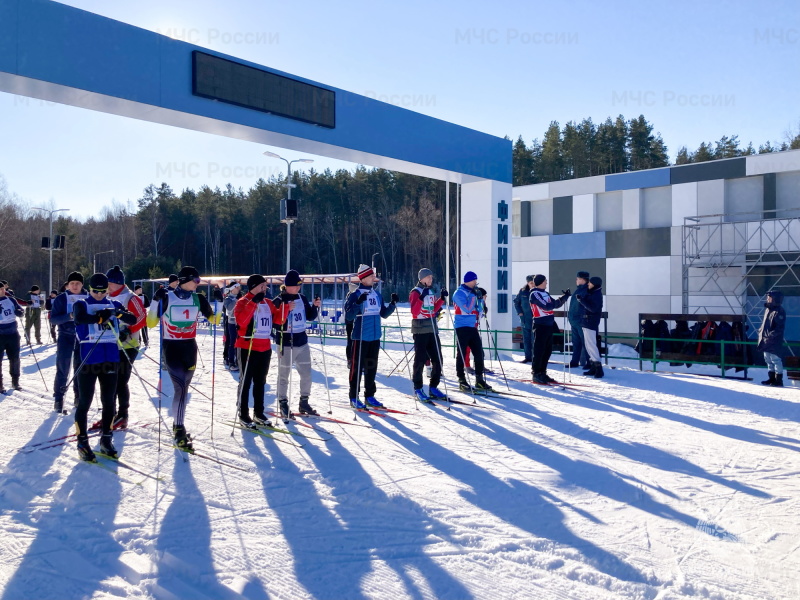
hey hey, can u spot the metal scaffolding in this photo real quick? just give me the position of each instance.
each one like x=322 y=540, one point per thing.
x=728 y=258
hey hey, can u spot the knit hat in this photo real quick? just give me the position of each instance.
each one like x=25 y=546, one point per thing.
x=292 y=278
x=98 y=282
x=234 y=284
x=187 y=274
x=115 y=275
x=254 y=280
x=172 y=278
x=529 y=278
x=34 y=289
x=539 y=279
x=364 y=271
x=596 y=282
x=423 y=273
x=75 y=276
x=469 y=276
x=583 y=275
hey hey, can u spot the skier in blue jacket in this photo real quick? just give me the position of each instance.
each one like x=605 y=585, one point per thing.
x=365 y=307
x=469 y=302
x=66 y=347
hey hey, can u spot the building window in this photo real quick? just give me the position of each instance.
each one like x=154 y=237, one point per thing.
x=542 y=217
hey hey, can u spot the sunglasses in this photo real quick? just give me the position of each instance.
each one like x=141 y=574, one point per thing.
x=96 y=291
x=196 y=280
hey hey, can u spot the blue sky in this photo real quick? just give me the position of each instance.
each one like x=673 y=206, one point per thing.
x=696 y=70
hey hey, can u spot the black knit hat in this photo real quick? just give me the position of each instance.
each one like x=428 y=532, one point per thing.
x=115 y=275
x=583 y=275
x=172 y=278
x=539 y=279
x=596 y=282
x=187 y=274
x=255 y=280
x=34 y=289
x=75 y=276
x=98 y=282
x=292 y=278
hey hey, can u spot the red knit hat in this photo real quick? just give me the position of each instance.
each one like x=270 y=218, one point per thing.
x=365 y=271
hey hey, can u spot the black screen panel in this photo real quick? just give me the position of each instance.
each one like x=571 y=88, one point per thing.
x=228 y=81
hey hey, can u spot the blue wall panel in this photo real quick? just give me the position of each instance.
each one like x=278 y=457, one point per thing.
x=637 y=179
x=578 y=245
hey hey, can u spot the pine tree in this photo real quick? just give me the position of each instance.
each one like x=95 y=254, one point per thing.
x=683 y=157
x=552 y=161
x=522 y=163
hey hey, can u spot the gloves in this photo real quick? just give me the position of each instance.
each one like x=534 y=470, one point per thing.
x=215 y=318
x=258 y=298
x=161 y=294
x=124 y=334
x=104 y=315
x=277 y=301
x=566 y=293
x=395 y=298
x=480 y=292
x=444 y=294
x=362 y=298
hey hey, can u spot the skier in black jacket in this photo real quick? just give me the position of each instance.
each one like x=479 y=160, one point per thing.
x=770 y=338
x=591 y=300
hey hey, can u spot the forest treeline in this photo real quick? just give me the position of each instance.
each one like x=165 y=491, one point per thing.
x=345 y=216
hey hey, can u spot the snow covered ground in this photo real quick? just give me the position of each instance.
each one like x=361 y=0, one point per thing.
x=640 y=485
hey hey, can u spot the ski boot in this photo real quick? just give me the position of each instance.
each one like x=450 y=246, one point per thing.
x=778 y=380
x=464 y=385
x=482 y=386
x=2 y=387
x=540 y=379
x=305 y=407
x=420 y=395
x=488 y=371
x=373 y=402
x=770 y=379
x=357 y=404
x=598 y=370
x=233 y=368
x=590 y=369
x=548 y=378
x=435 y=394
x=119 y=422
x=183 y=440
x=15 y=384
x=246 y=422
x=261 y=421
x=284 y=410
x=107 y=446
x=84 y=451
x=58 y=405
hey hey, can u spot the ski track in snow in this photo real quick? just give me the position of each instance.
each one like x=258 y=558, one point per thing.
x=641 y=485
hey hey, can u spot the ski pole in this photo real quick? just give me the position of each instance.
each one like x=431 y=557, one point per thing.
x=408 y=362
x=441 y=361
x=243 y=376
x=160 y=360
x=460 y=351
x=213 y=363
x=357 y=364
x=36 y=359
x=564 y=348
x=325 y=365
x=406 y=357
x=499 y=362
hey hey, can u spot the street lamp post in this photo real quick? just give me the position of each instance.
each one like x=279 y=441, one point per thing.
x=51 y=213
x=289 y=186
x=94 y=259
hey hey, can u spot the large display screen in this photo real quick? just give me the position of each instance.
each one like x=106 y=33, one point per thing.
x=228 y=81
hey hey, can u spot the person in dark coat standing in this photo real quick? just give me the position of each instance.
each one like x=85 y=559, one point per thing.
x=542 y=307
x=522 y=304
x=770 y=338
x=575 y=316
x=591 y=300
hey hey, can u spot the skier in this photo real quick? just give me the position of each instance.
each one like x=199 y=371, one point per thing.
x=575 y=316
x=522 y=305
x=146 y=303
x=66 y=347
x=542 y=307
x=365 y=307
x=9 y=336
x=172 y=281
x=33 y=315
x=128 y=337
x=97 y=329
x=770 y=338
x=468 y=299
x=292 y=341
x=177 y=310
x=424 y=308
x=255 y=314
x=591 y=301
x=48 y=306
x=230 y=329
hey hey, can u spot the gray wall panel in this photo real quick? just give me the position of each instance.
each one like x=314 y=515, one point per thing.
x=562 y=273
x=562 y=215
x=631 y=243
x=718 y=169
